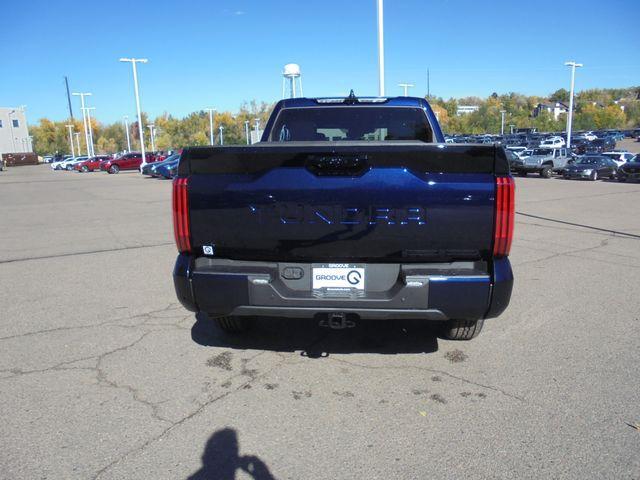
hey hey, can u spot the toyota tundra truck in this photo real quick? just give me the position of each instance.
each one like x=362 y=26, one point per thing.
x=347 y=209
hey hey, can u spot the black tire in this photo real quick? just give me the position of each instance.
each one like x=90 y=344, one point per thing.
x=546 y=172
x=84 y=168
x=232 y=324
x=69 y=168
x=463 y=329
x=622 y=179
x=114 y=169
x=594 y=176
x=522 y=173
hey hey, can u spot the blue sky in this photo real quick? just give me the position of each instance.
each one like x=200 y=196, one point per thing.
x=219 y=53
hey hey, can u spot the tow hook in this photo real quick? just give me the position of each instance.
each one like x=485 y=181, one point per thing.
x=337 y=321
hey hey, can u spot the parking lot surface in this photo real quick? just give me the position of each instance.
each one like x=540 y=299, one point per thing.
x=104 y=375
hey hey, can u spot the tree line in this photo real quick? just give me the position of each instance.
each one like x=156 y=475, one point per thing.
x=594 y=109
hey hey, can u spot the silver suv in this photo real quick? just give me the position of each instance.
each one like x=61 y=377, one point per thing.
x=544 y=161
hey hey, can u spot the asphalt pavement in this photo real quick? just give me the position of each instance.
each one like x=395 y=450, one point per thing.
x=103 y=375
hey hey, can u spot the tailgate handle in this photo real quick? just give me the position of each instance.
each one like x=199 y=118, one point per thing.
x=336 y=165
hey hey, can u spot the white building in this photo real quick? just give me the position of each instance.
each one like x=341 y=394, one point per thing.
x=464 y=109
x=555 y=109
x=14 y=132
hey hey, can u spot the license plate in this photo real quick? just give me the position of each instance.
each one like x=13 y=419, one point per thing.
x=338 y=276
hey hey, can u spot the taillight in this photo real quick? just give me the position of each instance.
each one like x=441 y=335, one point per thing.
x=181 y=228
x=505 y=210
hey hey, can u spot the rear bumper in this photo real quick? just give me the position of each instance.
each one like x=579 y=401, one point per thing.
x=460 y=290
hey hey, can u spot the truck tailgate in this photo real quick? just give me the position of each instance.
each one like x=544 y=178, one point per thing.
x=345 y=201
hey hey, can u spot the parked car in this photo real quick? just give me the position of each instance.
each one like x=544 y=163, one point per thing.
x=553 y=142
x=620 y=157
x=128 y=161
x=600 y=145
x=525 y=153
x=64 y=163
x=630 y=170
x=389 y=242
x=167 y=170
x=591 y=167
x=150 y=168
x=544 y=161
x=91 y=164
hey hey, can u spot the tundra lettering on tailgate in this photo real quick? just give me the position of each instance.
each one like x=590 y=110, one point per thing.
x=294 y=213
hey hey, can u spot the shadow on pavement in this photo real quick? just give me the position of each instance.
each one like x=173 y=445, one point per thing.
x=288 y=335
x=221 y=460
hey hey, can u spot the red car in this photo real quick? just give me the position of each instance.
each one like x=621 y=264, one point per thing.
x=91 y=164
x=128 y=161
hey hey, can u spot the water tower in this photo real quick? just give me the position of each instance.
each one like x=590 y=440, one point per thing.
x=291 y=72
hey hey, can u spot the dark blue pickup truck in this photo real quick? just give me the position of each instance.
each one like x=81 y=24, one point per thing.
x=348 y=208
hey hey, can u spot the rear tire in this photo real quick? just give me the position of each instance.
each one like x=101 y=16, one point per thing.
x=463 y=329
x=85 y=168
x=114 y=169
x=522 y=173
x=594 y=176
x=545 y=172
x=622 y=179
x=231 y=324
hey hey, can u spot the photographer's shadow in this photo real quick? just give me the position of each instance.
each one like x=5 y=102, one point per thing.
x=221 y=460
x=314 y=341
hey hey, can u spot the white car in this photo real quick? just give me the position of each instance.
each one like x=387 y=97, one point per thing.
x=63 y=165
x=553 y=142
x=56 y=165
x=620 y=157
x=517 y=150
x=525 y=153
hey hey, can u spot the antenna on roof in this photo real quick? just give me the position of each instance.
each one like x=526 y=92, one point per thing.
x=351 y=99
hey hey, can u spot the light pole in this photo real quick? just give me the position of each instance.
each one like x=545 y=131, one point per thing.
x=84 y=119
x=246 y=130
x=257 y=128
x=502 y=112
x=126 y=129
x=380 y=48
x=210 y=110
x=221 y=137
x=573 y=66
x=133 y=62
x=77 y=134
x=151 y=126
x=73 y=151
x=91 y=149
x=406 y=87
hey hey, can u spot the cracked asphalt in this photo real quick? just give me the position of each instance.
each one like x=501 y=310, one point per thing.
x=103 y=375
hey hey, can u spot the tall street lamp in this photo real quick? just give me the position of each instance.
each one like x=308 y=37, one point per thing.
x=126 y=129
x=73 y=151
x=221 y=137
x=84 y=119
x=573 y=66
x=380 y=48
x=406 y=87
x=210 y=110
x=151 y=127
x=246 y=130
x=502 y=113
x=77 y=134
x=91 y=149
x=133 y=62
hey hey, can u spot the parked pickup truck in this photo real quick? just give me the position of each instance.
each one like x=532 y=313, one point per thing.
x=347 y=209
x=544 y=161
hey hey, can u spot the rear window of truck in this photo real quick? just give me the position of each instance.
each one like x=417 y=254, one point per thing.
x=351 y=123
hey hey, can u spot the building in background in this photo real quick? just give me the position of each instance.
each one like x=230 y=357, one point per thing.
x=14 y=133
x=465 y=109
x=554 y=109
